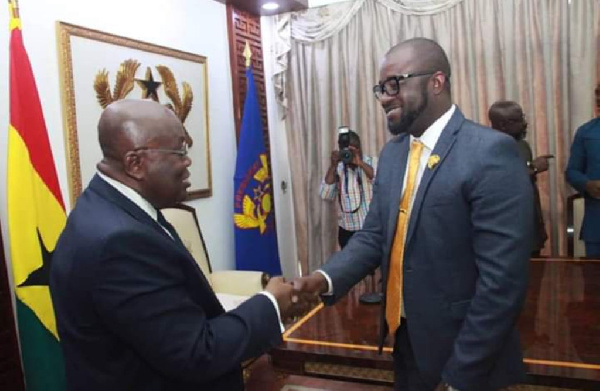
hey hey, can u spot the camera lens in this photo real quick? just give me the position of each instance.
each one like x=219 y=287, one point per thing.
x=346 y=155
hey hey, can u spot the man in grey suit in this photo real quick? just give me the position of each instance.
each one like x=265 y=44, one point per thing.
x=450 y=225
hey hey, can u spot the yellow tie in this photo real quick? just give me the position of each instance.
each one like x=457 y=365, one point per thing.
x=394 y=285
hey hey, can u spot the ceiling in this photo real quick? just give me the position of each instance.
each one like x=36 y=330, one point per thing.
x=254 y=6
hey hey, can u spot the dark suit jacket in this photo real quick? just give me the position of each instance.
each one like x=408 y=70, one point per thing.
x=584 y=165
x=539 y=232
x=135 y=312
x=466 y=254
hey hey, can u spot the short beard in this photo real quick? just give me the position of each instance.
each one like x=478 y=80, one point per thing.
x=407 y=119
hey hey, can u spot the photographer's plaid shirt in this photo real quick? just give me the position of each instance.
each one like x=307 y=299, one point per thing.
x=351 y=200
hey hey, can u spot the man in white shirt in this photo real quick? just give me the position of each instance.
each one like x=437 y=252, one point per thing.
x=133 y=309
x=450 y=224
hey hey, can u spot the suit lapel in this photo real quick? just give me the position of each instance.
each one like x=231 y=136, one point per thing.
x=398 y=170
x=442 y=148
x=113 y=195
x=108 y=192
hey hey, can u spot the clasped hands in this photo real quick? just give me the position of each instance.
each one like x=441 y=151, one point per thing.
x=295 y=298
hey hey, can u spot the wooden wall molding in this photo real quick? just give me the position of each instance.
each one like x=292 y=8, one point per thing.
x=243 y=26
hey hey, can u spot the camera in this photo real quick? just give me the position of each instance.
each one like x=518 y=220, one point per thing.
x=346 y=154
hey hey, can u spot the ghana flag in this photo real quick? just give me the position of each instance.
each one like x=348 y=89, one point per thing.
x=36 y=217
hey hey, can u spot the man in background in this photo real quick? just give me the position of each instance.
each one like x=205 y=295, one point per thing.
x=583 y=173
x=349 y=180
x=508 y=117
x=450 y=230
x=134 y=310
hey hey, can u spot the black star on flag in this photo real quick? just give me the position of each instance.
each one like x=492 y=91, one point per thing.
x=149 y=86
x=41 y=276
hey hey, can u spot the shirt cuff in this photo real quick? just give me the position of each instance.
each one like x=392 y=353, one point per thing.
x=274 y=301
x=329 y=284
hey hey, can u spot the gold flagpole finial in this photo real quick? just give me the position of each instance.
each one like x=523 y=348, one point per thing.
x=13 y=12
x=247 y=54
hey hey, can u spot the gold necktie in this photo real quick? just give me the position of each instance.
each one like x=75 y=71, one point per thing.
x=394 y=284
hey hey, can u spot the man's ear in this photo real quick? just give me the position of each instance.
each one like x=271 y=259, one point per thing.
x=133 y=165
x=439 y=82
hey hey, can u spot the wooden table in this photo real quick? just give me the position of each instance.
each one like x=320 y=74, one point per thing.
x=559 y=324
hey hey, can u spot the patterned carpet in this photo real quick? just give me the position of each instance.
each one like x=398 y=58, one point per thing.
x=537 y=388
x=289 y=387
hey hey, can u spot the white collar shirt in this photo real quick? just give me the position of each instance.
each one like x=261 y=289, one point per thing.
x=429 y=138
x=134 y=197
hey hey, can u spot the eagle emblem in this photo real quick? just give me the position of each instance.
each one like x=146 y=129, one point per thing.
x=256 y=208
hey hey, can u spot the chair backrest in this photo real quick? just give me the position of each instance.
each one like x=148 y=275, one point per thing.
x=184 y=220
x=575 y=212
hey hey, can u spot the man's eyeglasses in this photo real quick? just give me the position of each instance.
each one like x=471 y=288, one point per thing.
x=183 y=152
x=391 y=85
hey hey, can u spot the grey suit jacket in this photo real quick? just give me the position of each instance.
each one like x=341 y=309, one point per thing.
x=466 y=254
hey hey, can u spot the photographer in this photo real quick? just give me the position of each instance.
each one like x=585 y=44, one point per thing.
x=350 y=180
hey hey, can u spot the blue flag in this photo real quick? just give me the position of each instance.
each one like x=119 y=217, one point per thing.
x=255 y=235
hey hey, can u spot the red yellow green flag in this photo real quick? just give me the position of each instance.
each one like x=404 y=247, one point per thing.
x=36 y=217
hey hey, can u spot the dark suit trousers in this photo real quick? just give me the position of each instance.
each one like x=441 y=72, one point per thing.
x=406 y=374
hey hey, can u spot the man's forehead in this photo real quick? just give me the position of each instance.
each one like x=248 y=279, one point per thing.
x=399 y=61
x=512 y=111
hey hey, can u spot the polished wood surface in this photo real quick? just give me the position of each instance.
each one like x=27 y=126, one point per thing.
x=560 y=330
x=560 y=323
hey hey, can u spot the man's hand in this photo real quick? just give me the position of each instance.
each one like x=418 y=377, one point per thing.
x=335 y=158
x=593 y=188
x=359 y=162
x=540 y=163
x=356 y=156
x=291 y=303
x=310 y=287
x=282 y=291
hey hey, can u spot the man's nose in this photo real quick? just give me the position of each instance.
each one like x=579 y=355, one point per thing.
x=384 y=99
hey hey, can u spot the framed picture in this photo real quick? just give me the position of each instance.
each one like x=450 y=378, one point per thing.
x=98 y=68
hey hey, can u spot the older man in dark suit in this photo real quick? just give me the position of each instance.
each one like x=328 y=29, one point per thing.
x=134 y=310
x=450 y=225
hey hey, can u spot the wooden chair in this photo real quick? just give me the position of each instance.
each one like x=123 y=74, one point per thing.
x=231 y=286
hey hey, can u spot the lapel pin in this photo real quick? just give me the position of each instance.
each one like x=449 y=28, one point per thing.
x=433 y=161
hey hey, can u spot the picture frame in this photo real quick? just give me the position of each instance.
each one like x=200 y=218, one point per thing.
x=97 y=68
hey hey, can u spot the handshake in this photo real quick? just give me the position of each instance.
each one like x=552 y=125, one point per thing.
x=297 y=297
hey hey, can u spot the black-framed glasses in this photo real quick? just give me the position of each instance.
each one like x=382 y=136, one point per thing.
x=183 y=152
x=391 y=85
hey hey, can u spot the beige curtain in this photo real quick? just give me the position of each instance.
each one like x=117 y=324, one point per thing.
x=540 y=53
